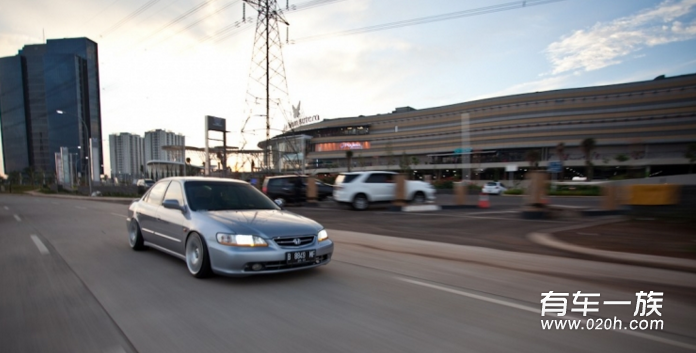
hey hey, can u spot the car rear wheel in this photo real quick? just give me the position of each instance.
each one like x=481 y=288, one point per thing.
x=360 y=202
x=135 y=236
x=419 y=197
x=197 y=259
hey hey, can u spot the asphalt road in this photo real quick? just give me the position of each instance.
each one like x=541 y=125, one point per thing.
x=70 y=283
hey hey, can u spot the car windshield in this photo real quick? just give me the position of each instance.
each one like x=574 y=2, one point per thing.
x=218 y=195
x=490 y=183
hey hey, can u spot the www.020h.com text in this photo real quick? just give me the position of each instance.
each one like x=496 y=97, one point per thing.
x=601 y=324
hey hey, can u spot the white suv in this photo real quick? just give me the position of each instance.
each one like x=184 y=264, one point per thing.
x=359 y=189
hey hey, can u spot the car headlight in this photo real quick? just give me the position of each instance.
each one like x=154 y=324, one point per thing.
x=322 y=235
x=240 y=240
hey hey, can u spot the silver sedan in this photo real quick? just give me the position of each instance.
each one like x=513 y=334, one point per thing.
x=226 y=227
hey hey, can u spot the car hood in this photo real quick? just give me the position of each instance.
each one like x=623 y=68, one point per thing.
x=266 y=223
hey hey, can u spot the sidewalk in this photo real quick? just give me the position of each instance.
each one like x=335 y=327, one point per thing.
x=650 y=242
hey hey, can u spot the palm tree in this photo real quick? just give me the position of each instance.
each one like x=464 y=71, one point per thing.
x=588 y=145
x=349 y=158
x=533 y=157
x=560 y=149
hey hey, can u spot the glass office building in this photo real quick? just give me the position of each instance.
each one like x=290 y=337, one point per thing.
x=49 y=98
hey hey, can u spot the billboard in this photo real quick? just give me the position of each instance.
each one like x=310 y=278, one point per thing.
x=216 y=124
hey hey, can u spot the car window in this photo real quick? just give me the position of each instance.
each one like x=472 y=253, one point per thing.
x=157 y=193
x=345 y=178
x=218 y=195
x=275 y=182
x=490 y=183
x=379 y=178
x=174 y=193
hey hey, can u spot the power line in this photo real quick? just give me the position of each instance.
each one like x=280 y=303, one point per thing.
x=423 y=20
x=129 y=17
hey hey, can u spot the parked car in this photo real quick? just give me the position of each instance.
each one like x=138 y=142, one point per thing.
x=494 y=187
x=285 y=188
x=143 y=185
x=230 y=228
x=147 y=183
x=360 y=189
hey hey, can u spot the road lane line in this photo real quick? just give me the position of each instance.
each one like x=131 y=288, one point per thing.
x=42 y=248
x=472 y=295
x=532 y=310
x=17 y=218
x=492 y=212
x=119 y=215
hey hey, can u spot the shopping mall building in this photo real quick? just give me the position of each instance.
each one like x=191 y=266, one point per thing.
x=643 y=126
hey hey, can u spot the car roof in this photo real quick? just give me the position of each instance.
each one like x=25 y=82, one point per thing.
x=199 y=178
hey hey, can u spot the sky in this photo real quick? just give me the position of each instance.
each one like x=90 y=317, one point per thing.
x=165 y=64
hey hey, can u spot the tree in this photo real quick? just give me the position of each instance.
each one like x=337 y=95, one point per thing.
x=621 y=157
x=588 y=145
x=690 y=154
x=560 y=152
x=405 y=164
x=349 y=159
x=533 y=157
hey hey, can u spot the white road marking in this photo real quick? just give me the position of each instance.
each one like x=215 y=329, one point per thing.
x=42 y=248
x=473 y=217
x=472 y=295
x=7 y=208
x=17 y=218
x=492 y=212
x=119 y=215
x=536 y=311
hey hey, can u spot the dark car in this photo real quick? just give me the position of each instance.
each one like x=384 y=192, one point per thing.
x=293 y=188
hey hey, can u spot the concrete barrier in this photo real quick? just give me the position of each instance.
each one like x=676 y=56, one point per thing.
x=653 y=195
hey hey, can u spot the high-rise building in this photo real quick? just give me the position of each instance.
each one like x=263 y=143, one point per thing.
x=49 y=98
x=127 y=156
x=156 y=140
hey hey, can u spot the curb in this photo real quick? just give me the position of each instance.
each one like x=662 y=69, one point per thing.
x=552 y=242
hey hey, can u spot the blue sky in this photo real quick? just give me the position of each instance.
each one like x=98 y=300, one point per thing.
x=157 y=72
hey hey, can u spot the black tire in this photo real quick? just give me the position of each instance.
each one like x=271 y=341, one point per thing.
x=419 y=197
x=197 y=258
x=135 y=236
x=360 y=202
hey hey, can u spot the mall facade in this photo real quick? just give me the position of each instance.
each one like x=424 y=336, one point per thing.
x=643 y=126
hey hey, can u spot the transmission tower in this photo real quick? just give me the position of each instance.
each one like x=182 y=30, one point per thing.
x=267 y=97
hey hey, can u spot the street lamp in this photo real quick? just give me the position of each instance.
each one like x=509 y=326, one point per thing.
x=89 y=138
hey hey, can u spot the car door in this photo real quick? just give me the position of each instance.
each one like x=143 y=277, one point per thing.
x=172 y=222
x=380 y=186
x=147 y=212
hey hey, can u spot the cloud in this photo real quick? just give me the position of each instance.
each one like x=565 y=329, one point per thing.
x=606 y=44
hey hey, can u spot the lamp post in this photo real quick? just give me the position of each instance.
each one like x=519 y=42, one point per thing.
x=89 y=138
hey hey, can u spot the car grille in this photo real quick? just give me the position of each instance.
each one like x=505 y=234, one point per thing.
x=282 y=265
x=294 y=241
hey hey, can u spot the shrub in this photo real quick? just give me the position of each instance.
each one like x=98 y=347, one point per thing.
x=514 y=192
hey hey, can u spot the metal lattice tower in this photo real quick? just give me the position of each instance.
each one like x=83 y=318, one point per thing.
x=267 y=98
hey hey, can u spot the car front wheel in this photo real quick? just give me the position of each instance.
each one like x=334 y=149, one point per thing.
x=197 y=259
x=419 y=197
x=135 y=236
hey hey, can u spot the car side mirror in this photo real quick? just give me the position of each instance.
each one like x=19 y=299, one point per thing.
x=279 y=202
x=172 y=205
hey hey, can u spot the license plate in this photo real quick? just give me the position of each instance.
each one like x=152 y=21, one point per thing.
x=296 y=257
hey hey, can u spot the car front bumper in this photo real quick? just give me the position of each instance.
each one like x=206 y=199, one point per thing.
x=237 y=261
